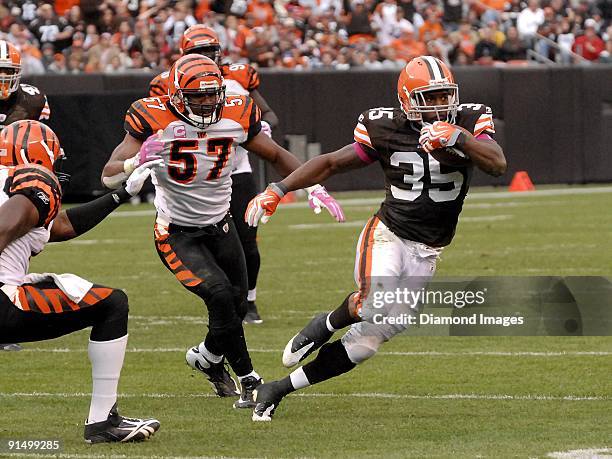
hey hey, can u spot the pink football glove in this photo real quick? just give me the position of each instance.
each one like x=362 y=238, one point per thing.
x=319 y=197
x=150 y=151
x=266 y=128
x=262 y=206
x=439 y=135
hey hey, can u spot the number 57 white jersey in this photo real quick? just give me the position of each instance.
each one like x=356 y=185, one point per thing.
x=193 y=188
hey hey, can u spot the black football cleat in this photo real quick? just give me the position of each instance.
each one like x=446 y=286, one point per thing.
x=119 y=429
x=252 y=316
x=249 y=384
x=217 y=374
x=267 y=397
x=312 y=337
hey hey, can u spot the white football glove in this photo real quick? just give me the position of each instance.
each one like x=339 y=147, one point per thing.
x=139 y=176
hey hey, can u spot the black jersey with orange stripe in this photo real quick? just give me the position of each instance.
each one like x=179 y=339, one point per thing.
x=27 y=103
x=40 y=186
x=423 y=197
x=147 y=116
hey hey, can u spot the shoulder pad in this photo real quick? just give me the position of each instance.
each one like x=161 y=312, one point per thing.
x=375 y=123
x=476 y=118
x=146 y=116
x=244 y=111
x=40 y=186
x=244 y=74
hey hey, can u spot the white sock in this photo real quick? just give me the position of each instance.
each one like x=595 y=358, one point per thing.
x=106 y=359
x=253 y=373
x=329 y=325
x=299 y=379
x=252 y=295
x=214 y=358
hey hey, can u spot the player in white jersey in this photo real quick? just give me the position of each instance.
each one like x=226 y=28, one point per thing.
x=17 y=102
x=243 y=80
x=36 y=307
x=194 y=233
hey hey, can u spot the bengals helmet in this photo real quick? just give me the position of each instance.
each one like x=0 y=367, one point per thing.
x=199 y=39
x=196 y=90
x=422 y=75
x=31 y=142
x=10 y=69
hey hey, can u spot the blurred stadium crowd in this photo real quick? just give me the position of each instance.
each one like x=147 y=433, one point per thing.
x=74 y=36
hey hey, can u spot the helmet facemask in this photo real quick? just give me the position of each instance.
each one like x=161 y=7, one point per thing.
x=10 y=75
x=211 y=51
x=414 y=103
x=200 y=114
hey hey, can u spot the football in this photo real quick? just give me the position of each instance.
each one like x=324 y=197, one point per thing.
x=451 y=157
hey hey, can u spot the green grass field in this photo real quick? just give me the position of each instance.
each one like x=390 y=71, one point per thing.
x=443 y=397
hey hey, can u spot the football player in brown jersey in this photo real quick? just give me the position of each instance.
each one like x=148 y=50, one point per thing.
x=18 y=101
x=427 y=149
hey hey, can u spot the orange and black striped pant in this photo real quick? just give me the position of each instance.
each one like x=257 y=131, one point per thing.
x=206 y=261
x=45 y=312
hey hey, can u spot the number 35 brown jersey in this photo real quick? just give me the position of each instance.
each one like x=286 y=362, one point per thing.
x=423 y=197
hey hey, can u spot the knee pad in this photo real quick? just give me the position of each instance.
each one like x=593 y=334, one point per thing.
x=112 y=317
x=364 y=339
x=360 y=349
x=118 y=304
x=221 y=303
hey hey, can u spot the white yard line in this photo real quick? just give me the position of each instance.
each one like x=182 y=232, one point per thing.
x=368 y=395
x=387 y=353
x=106 y=456
x=590 y=453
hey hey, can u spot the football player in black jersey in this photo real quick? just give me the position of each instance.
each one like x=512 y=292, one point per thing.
x=17 y=102
x=427 y=149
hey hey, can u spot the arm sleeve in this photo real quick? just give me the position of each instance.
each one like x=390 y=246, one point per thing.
x=41 y=187
x=86 y=216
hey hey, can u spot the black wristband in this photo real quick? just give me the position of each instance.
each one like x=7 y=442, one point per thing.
x=281 y=186
x=86 y=216
x=460 y=142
